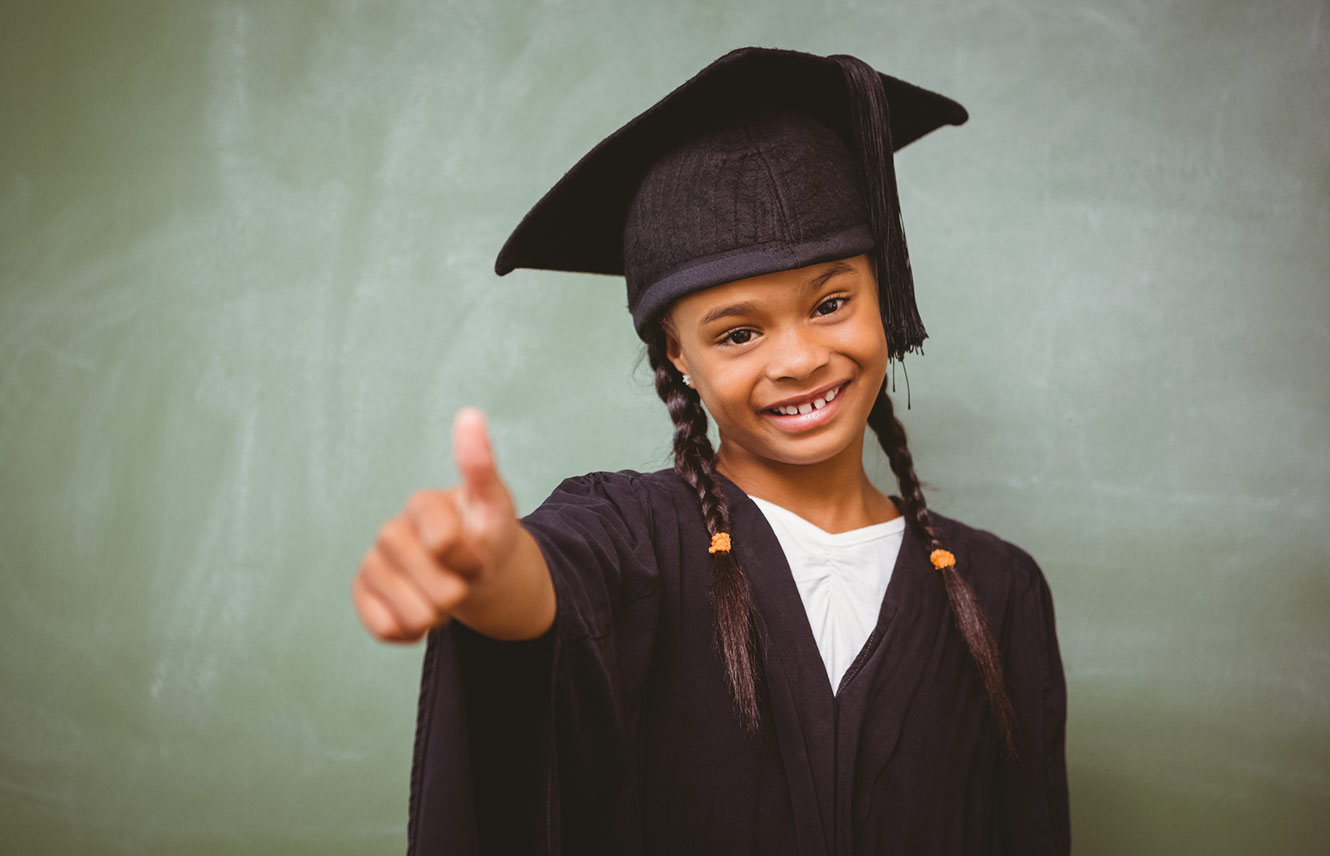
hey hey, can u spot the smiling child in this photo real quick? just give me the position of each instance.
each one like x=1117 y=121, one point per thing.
x=757 y=650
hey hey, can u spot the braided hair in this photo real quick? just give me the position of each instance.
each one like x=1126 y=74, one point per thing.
x=969 y=617
x=695 y=462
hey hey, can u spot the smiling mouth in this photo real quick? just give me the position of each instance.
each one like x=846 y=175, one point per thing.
x=809 y=405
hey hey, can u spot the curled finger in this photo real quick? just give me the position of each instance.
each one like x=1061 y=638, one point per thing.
x=375 y=614
x=437 y=521
x=414 y=612
x=403 y=546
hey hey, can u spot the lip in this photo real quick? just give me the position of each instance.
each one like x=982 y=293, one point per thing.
x=813 y=419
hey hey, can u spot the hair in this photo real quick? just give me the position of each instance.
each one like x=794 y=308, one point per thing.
x=695 y=462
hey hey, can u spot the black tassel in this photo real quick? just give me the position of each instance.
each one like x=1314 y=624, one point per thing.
x=871 y=127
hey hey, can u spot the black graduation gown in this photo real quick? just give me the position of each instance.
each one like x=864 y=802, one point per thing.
x=614 y=733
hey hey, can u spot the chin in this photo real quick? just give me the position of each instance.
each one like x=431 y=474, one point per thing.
x=803 y=452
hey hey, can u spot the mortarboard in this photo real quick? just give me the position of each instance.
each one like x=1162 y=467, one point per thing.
x=765 y=160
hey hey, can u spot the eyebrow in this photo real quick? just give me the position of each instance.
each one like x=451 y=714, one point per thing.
x=747 y=306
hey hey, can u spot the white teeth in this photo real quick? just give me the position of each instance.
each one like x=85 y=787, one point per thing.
x=815 y=404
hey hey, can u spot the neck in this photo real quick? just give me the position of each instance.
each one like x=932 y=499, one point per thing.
x=835 y=495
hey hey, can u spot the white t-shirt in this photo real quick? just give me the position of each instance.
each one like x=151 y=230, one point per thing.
x=842 y=578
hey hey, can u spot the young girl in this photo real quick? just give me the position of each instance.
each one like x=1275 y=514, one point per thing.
x=756 y=651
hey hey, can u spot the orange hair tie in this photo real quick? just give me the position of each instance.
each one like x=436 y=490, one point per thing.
x=720 y=543
x=942 y=559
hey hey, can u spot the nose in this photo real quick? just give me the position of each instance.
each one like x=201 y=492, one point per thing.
x=796 y=354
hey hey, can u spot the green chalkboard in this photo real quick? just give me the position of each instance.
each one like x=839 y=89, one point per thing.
x=245 y=282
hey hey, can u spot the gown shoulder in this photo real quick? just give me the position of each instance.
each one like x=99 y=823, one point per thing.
x=994 y=566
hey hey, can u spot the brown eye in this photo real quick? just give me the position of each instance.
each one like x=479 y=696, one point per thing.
x=738 y=337
x=829 y=306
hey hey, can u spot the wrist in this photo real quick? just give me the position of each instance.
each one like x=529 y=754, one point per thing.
x=514 y=600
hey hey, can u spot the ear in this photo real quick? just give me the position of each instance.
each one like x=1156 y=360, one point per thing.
x=674 y=351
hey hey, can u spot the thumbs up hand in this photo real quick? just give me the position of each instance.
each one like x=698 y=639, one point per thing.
x=458 y=552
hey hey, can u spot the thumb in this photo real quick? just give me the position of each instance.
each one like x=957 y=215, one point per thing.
x=474 y=455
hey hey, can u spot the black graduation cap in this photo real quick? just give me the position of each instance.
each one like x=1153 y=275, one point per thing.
x=766 y=160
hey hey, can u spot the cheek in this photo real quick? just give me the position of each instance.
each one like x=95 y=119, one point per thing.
x=727 y=388
x=865 y=344
x=866 y=341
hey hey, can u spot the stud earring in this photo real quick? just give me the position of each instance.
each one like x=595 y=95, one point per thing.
x=688 y=381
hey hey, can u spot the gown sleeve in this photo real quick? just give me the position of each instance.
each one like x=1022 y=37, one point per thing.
x=525 y=747
x=1033 y=786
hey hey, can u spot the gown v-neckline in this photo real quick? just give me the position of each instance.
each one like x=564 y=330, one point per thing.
x=781 y=588
x=818 y=728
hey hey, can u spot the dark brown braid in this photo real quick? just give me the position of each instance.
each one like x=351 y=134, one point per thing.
x=695 y=462
x=969 y=617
